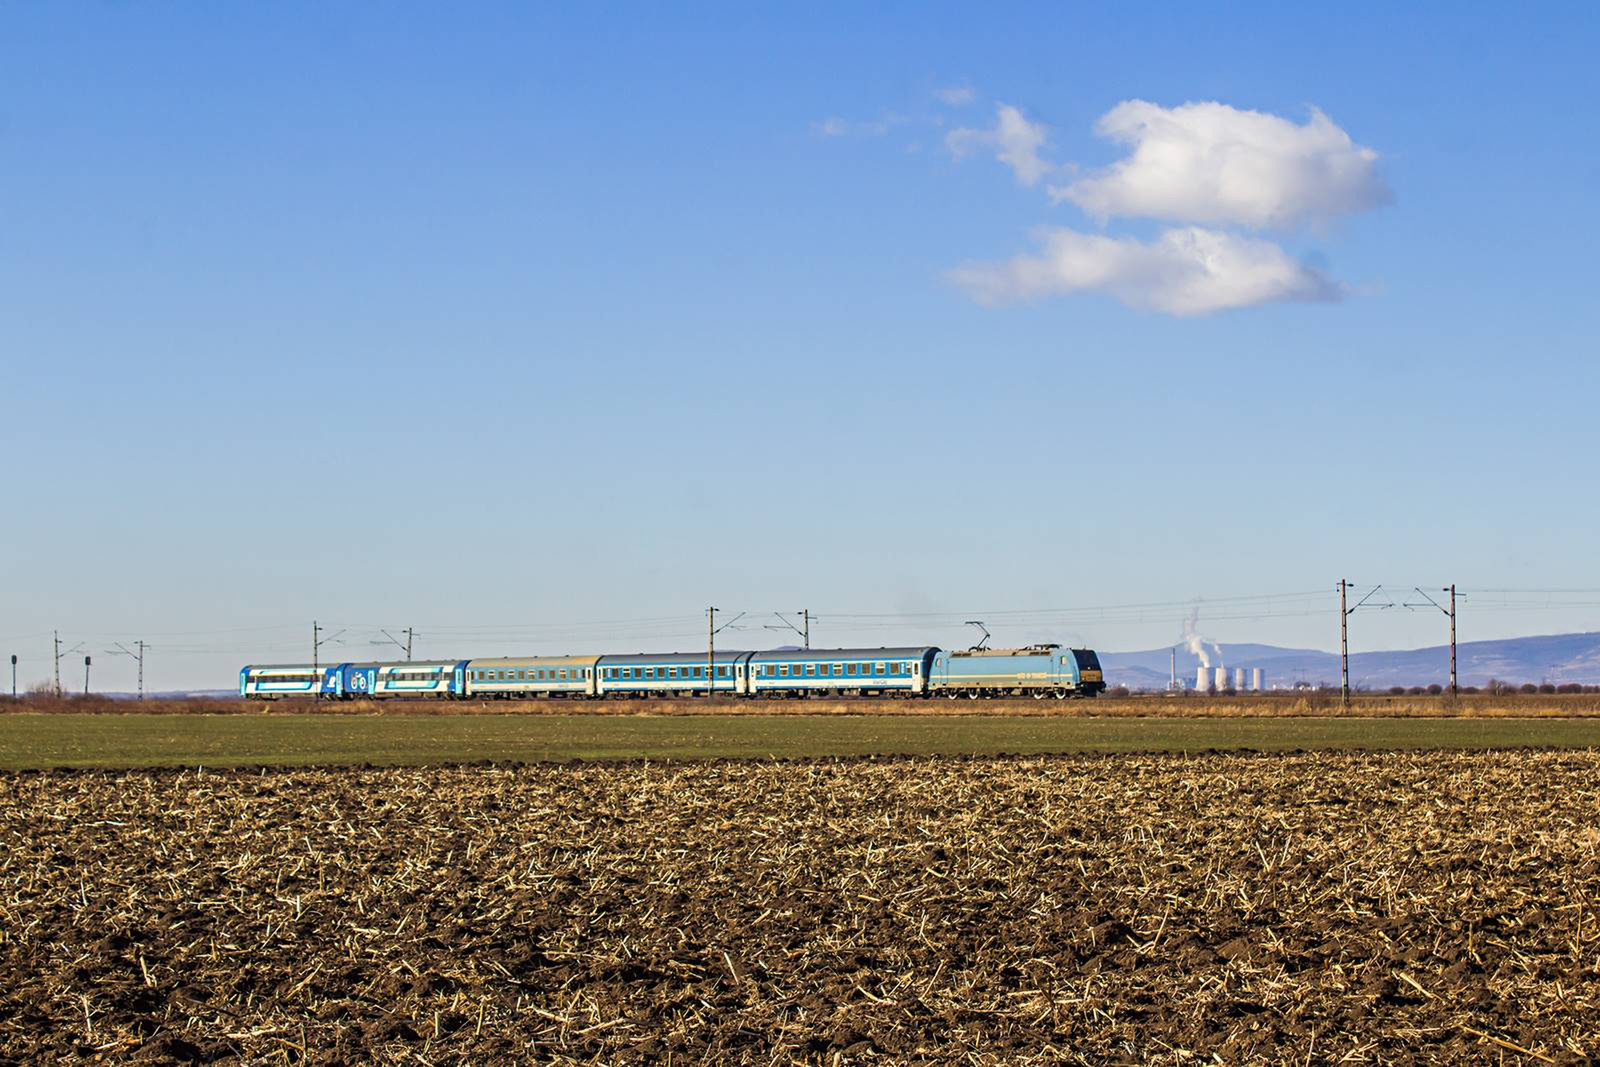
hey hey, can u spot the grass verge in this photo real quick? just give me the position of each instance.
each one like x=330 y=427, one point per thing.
x=29 y=742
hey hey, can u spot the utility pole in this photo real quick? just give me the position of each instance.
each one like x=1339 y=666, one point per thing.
x=121 y=650
x=712 y=630
x=805 y=615
x=1344 y=636
x=406 y=647
x=86 y=676
x=1344 y=646
x=1450 y=613
x=316 y=662
x=1452 y=638
x=13 y=676
x=56 y=635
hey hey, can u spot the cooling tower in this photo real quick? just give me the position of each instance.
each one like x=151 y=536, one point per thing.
x=1202 y=680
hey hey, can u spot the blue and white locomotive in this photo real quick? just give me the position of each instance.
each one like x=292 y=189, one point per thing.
x=918 y=670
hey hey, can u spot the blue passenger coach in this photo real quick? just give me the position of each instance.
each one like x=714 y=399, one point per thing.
x=274 y=681
x=862 y=670
x=431 y=678
x=673 y=672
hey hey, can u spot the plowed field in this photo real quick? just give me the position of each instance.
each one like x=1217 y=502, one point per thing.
x=1366 y=908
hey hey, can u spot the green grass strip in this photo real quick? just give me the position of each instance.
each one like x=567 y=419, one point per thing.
x=119 y=741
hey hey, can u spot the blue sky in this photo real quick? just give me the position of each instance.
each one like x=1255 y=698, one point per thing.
x=492 y=320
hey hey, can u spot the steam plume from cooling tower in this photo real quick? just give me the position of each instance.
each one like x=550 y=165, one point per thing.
x=1197 y=644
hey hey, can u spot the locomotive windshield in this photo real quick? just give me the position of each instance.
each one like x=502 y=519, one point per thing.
x=1087 y=660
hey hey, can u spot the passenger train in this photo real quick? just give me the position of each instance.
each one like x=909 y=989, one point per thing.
x=1040 y=671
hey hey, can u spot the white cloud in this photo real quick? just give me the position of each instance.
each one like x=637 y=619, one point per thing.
x=838 y=127
x=1015 y=140
x=1184 y=271
x=956 y=95
x=1211 y=163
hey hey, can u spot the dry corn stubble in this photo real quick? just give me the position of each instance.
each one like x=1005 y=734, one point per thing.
x=1161 y=909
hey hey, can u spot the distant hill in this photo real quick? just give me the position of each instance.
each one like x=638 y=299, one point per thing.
x=1554 y=658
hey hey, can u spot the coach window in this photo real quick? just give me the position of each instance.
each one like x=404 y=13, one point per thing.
x=811 y=668
x=849 y=668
